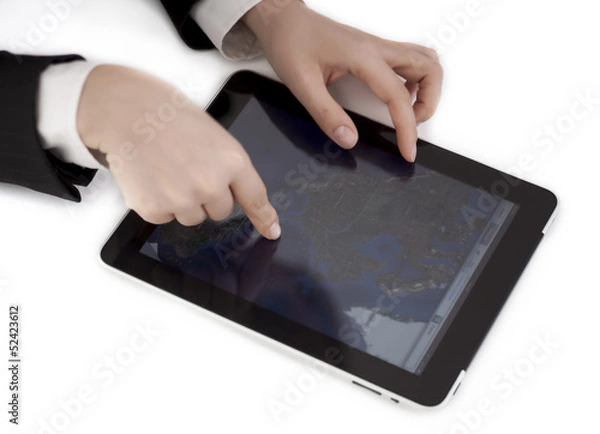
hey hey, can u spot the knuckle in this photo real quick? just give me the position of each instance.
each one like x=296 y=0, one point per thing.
x=432 y=54
x=131 y=204
x=267 y=215
x=183 y=202
x=208 y=188
x=418 y=60
x=154 y=218
x=425 y=111
x=324 y=114
x=237 y=161
x=151 y=211
x=437 y=69
x=259 y=207
x=222 y=213
x=210 y=196
x=189 y=221
x=260 y=197
x=299 y=77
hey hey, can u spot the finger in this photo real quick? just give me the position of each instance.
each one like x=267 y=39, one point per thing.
x=311 y=91
x=390 y=89
x=428 y=97
x=425 y=51
x=221 y=207
x=156 y=219
x=250 y=192
x=139 y=196
x=151 y=210
x=419 y=68
x=412 y=88
x=191 y=217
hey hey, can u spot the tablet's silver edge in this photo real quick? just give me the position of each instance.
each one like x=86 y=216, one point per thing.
x=552 y=217
x=340 y=373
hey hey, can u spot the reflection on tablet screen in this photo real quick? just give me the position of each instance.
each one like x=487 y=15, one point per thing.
x=375 y=252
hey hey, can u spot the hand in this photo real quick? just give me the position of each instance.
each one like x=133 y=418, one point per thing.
x=169 y=158
x=309 y=51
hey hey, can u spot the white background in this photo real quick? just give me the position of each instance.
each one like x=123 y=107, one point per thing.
x=511 y=71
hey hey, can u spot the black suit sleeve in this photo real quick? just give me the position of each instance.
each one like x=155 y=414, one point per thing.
x=188 y=29
x=23 y=161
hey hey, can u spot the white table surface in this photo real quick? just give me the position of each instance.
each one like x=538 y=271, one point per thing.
x=512 y=71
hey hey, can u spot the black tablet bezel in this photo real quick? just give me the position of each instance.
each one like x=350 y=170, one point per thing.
x=469 y=327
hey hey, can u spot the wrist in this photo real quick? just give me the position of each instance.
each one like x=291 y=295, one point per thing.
x=266 y=17
x=104 y=105
x=90 y=121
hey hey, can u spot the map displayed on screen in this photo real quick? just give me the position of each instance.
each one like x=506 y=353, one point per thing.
x=375 y=252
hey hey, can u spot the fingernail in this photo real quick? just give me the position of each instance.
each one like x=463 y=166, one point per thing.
x=345 y=137
x=414 y=153
x=275 y=231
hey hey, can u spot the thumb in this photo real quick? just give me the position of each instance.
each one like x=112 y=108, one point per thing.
x=329 y=115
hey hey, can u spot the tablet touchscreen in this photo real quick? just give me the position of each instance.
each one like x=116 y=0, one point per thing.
x=376 y=252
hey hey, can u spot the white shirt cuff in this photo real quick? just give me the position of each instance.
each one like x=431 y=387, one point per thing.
x=221 y=21
x=58 y=100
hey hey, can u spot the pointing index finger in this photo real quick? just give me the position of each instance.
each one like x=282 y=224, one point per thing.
x=390 y=89
x=250 y=192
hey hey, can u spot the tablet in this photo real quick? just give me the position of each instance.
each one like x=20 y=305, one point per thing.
x=390 y=272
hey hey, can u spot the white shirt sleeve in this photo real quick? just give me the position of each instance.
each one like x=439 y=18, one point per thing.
x=221 y=21
x=61 y=85
x=58 y=100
